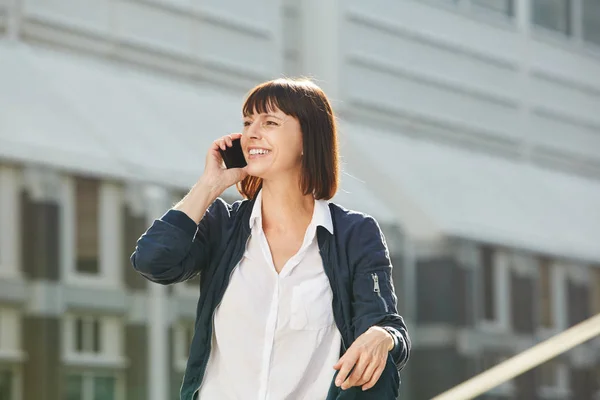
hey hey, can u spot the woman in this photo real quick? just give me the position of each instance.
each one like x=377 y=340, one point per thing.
x=296 y=296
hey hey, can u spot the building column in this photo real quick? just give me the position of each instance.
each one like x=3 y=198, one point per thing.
x=134 y=224
x=159 y=368
x=320 y=44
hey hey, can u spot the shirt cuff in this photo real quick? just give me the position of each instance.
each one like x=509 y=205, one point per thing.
x=398 y=341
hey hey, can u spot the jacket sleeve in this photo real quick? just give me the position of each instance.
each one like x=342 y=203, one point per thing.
x=175 y=249
x=374 y=298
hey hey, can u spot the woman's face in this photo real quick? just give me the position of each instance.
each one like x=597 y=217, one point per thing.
x=272 y=144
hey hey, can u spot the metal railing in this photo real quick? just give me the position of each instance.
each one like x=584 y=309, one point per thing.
x=524 y=361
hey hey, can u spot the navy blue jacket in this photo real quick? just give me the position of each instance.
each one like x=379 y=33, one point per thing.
x=355 y=259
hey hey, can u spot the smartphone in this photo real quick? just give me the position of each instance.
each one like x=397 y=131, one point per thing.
x=234 y=156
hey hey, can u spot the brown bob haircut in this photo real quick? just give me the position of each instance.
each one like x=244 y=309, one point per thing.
x=305 y=101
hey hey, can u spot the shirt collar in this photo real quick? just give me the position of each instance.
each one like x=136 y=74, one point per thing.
x=321 y=214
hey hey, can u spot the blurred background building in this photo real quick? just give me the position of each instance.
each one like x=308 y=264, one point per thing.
x=470 y=129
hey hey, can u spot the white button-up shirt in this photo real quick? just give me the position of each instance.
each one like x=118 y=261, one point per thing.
x=274 y=336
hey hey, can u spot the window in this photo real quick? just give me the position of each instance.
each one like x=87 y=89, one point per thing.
x=93 y=386
x=545 y=285
x=6 y=384
x=92 y=232
x=553 y=377
x=93 y=340
x=494 y=282
x=552 y=296
x=591 y=21
x=501 y=6
x=489 y=288
x=553 y=14
x=87 y=335
x=87 y=225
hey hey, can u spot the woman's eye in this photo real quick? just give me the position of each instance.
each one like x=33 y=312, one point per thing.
x=246 y=123
x=271 y=123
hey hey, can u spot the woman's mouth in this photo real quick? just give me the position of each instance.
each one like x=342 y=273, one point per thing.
x=258 y=152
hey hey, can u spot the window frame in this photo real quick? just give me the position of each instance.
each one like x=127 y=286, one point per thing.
x=16 y=371
x=501 y=296
x=558 y=302
x=571 y=29
x=110 y=236
x=89 y=374
x=111 y=341
x=11 y=352
x=562 y=377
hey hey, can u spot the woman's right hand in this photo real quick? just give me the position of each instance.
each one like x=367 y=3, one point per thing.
x=216 y=176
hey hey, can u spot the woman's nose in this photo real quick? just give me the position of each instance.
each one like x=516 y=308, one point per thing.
x=253 y=130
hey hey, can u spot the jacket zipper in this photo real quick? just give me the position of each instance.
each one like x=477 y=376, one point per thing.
x=212 y=318
x=377 y=290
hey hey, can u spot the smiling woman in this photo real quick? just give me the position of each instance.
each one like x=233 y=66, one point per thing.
x=298 y=119
x=296 y=298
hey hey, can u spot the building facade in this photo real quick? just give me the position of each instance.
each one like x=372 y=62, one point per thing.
x=469 y=129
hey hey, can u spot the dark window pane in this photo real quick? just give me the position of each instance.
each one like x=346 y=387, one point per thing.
x=87 y=204
x=501 y=6
x=553 y=14
x=6 y=389
x=595 y=287
x=488 y=283
x=104 y=388
x=79 y=334
x=591 y=21
x=96 y=335
x=545 y=276
x=74 y=387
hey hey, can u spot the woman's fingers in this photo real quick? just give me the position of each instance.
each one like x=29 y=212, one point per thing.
x=376 y=375
x=355 y=378
x=226 y=141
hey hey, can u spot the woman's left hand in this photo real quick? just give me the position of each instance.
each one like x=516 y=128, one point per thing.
x=368 y=356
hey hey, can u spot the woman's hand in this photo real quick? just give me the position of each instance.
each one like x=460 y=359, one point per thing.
x=215 y=179
x=368 y=356
x=216 y=176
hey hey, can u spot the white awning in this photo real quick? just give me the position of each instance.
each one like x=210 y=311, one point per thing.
x=436 y=189
x=95 y=116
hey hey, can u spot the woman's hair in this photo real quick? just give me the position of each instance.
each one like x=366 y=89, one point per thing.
x=305 y=101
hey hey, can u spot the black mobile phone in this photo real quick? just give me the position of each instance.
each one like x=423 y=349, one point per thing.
x=234 y=156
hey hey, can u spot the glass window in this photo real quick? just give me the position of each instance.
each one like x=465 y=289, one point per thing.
x=87 y=335
x=545 y=285
x=595 y=287
x=6 y=385
x=87 y=204
x=104 y=388
x=91 y=386
x=501 y=6
x=488 y=283
x=553 y=14
x=591 y=21
x=74 y=387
